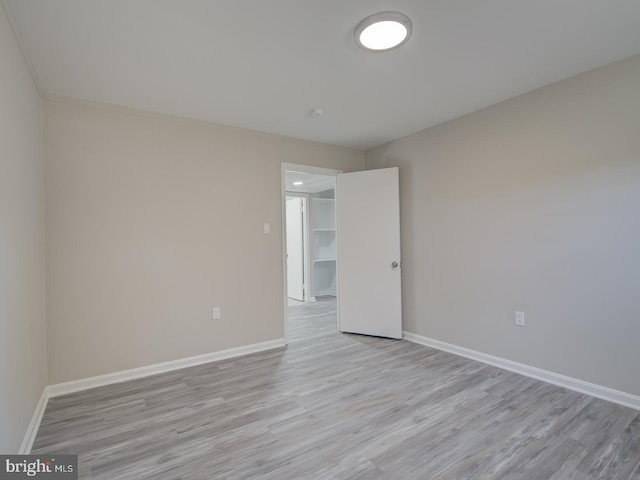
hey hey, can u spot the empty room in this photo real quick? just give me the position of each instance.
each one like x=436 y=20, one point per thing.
x=248 y=239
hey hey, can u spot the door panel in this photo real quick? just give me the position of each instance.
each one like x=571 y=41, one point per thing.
x=368 y=229
x=295 y=249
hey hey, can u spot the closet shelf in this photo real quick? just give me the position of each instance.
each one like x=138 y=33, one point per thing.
x=322 y=243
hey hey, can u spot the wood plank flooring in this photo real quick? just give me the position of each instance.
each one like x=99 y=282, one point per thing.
x=338 y=406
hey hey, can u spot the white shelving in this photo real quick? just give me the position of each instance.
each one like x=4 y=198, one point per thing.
x=323 y=246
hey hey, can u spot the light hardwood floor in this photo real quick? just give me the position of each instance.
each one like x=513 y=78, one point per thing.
x=338 y=406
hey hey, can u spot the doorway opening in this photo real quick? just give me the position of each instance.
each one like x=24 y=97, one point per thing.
x=354 y=246
x=310 y=246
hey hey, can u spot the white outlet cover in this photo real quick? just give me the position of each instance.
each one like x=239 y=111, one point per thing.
x=520 y=319
x=216 y=313
x=267 y=228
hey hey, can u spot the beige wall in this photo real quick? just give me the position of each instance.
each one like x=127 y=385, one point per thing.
x=532 y=204
x=22 y=329
x=150 y=222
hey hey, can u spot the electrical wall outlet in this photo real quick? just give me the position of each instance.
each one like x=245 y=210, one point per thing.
x=520 y=319
x=216 y=313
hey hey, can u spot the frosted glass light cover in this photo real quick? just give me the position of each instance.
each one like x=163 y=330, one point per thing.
x=383 y=31
x=383 y=35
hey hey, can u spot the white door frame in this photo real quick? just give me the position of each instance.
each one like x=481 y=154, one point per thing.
x=292 y=167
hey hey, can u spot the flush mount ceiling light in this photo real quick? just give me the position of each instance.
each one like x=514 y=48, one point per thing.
x=383 y=31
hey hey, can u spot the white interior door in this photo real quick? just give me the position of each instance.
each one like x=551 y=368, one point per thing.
x=295 y=248
x=368 y=229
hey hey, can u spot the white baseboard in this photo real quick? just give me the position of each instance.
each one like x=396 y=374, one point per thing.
x=325 y=293
x=32 y=431
x=122 y=376
x=598 y=391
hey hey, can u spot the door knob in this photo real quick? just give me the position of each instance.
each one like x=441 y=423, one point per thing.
x=394 y=265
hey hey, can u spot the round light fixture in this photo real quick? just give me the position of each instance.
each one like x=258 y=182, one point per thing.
x=383 y=31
